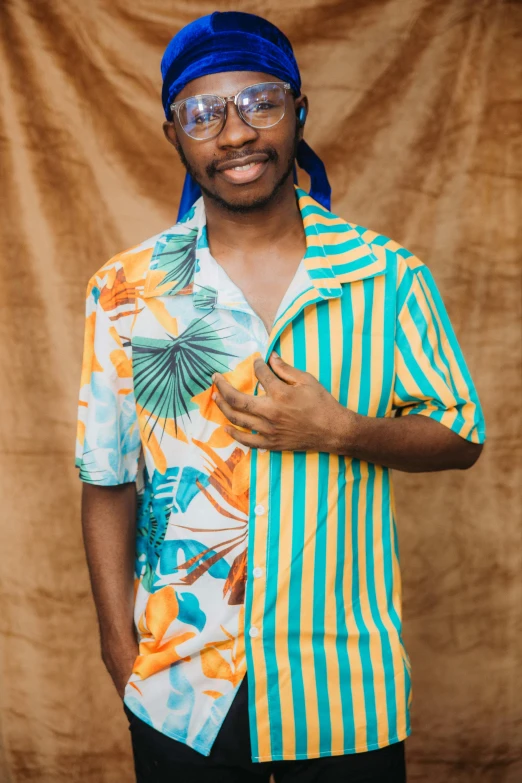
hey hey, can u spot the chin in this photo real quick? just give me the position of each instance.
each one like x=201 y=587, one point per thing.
x=253 y=200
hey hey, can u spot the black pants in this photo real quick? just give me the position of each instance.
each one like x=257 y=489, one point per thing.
x=160 y=759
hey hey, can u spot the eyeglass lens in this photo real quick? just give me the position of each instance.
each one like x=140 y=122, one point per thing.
x=259 y=105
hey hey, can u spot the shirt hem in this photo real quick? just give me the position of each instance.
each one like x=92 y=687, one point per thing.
x=322 y=754
x=205 y=751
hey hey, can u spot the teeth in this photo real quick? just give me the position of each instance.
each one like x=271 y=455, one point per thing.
x=244 y=168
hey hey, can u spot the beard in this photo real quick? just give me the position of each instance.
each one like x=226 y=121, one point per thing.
x=256 y=204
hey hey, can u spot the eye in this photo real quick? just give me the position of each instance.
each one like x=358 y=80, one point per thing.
x=205 y=118
x=260 y=106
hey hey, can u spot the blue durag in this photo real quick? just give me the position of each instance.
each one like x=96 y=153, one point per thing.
x=235 y=41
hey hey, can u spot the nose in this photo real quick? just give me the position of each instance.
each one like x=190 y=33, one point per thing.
x=236 y=132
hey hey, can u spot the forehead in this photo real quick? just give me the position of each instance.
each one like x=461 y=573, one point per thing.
x=224 y=84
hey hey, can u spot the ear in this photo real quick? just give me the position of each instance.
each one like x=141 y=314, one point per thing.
x=301 y=109
x=169 y=129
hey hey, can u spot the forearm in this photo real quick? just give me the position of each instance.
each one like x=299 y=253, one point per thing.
x=109 y=531
x=414 y=444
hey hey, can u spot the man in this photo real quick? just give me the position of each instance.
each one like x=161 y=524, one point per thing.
x=256 y=370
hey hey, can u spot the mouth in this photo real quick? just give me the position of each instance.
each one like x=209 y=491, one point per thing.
x=244 y=170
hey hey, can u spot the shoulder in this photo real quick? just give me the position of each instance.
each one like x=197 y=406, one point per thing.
x=360 y=238
x=405 y=261
x=124 y=274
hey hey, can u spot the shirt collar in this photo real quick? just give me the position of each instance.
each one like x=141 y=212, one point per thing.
x=336 y=253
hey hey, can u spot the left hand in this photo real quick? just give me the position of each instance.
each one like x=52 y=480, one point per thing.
x=296 y=414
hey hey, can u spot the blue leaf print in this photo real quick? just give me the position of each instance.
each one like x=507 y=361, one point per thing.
x=181 y=703
x=177 y=552
x=190 y=612
x=138 y=709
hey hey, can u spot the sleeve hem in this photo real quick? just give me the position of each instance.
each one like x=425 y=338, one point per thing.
x=474 y=433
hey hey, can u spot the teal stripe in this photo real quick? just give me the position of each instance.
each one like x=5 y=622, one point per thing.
x=387 y=655
x=389 y=548
x=389 y=280
x=320 y=228
x=364 y=636
x=363 y=640
x=441 y=314
x=404 y=288
x=296 y=571
x=313 y=210
x=315 y=251
x=407 y=693
x=366 y=358
x=320 y=558
x=269 y=622
x=345 y=675
x=421 y=325
x=283 y=315
x=321 y=272
x=345 y=247
x=407 y=679
x=427 y=391
x=354 y=266
x=248 y=609
x=380 y=240
x=341 y=641
x=404 y=347
x=364 y=404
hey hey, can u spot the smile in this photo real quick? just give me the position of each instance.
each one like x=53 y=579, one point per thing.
x=242 y=175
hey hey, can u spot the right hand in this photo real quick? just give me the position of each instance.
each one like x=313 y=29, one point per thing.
x=119 y=663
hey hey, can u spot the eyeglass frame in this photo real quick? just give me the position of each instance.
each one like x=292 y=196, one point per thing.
x=175 y=107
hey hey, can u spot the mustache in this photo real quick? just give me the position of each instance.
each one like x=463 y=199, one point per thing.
x=270 y=153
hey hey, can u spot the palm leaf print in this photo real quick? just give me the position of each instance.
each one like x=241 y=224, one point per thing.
x=177 y=257
x=168 y=373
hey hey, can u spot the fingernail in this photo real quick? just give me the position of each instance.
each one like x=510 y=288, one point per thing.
x=214 y=396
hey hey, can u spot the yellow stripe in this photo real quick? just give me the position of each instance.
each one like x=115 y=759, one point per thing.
x=258 y=603
x=376 y=655
x=283 y=577
x=354 y=657
x=307 y=605
x=332 y=660
x=302 y=300
x=358 y=305
x=382 y=603
x=468 y=410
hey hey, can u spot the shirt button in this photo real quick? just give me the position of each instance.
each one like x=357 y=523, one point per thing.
x=259 y=509
x=253 y=632
x=262 y=451
x=257 y=572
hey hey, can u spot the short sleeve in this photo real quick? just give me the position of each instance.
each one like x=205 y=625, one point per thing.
x=108 y=442
x=432 y=378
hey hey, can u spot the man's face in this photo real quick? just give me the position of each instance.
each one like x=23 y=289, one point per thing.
x=272 y=149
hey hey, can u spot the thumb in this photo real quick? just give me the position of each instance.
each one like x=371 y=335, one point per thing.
x=285 y=371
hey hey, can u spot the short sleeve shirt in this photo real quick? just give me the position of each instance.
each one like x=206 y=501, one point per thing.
x=282 y=565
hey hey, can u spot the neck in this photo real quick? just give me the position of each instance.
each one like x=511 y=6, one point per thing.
x=277 y=222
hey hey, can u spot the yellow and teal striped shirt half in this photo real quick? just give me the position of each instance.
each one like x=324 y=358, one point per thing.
x=279 y=566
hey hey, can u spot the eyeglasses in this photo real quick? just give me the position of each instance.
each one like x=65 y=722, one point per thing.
x=260 y=105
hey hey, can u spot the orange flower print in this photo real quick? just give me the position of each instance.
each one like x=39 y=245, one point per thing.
x=158 y=648
x=225 y=659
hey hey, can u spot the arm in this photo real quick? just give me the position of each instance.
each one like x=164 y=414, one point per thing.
x=414 y=444
x=434 y=423
x=299 y=414
x=109 y=529
x=107 y=454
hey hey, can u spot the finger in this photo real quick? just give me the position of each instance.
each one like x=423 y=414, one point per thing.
x=248 y=439
x=285 y=371
x=239 y=418
x=265 y=376
x=236 y=399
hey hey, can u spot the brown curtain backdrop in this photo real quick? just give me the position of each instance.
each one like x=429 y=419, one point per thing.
x=416 y=109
